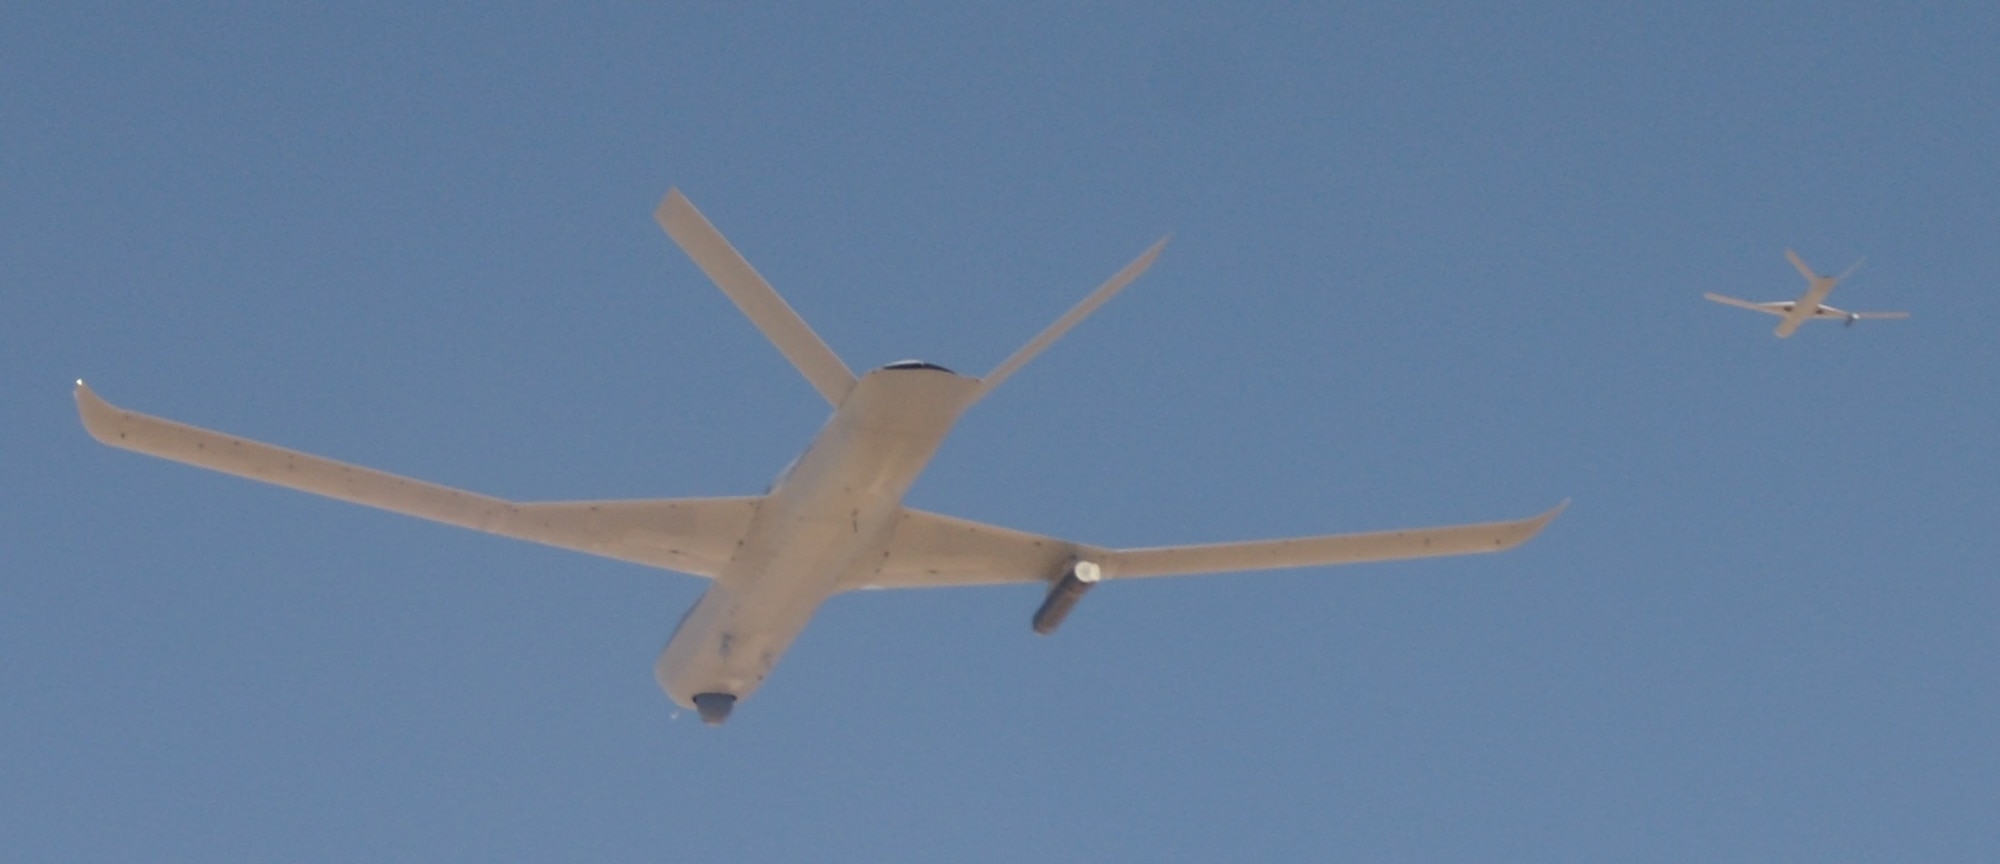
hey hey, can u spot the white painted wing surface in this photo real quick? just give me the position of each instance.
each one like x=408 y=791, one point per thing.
x=692 y=535
x=929 y=550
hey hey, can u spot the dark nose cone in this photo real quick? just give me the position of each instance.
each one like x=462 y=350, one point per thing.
x=714 y=707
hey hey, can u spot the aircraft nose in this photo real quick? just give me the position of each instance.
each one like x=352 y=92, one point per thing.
x=714 y=707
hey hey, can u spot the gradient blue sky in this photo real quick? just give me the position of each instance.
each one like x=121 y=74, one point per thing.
x=1430 y=265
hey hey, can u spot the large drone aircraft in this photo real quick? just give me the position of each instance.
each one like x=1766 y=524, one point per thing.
x=834 y=521
x=1796 y=312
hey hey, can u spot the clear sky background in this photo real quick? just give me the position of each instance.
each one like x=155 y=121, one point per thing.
x=1433 y=265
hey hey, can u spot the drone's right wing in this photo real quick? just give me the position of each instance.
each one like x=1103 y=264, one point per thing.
x=1325 y=549
x=1779 y=308
x=692 y=535
x=929 y=550
x=1879 y=316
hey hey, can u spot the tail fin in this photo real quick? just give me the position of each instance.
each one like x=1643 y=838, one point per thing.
x=747 y=289
x=1069 y=319
x=1803 y=269
x=1814 y=277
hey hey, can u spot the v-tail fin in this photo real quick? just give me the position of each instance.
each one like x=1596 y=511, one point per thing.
x=731 y=272
x=1047 y=337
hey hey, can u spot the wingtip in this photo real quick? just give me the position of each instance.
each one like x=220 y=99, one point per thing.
x=98 y=416
x=1533 y=525
x=1509 y=535
x=1541 y=521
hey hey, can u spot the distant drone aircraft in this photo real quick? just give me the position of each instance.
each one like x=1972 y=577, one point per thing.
x=1795 y=312
x=834 y=521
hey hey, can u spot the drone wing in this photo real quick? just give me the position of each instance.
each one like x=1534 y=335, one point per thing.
x=933 y=551
x=929 y=550
x=692 y=535
x=1830 y=312
x=1778 y=308
x=1326 y=549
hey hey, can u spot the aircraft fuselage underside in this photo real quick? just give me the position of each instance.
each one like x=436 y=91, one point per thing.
x=833 y=512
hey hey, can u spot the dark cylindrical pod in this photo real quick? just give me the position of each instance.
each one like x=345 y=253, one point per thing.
x=1063 y=596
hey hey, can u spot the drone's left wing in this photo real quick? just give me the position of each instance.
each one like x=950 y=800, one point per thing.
x=692 y=535
x=929 y=550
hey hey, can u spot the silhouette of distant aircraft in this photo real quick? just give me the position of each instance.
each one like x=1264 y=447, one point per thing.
x=1809 y=305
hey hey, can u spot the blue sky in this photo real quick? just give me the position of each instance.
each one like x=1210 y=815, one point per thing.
x=1429 y=265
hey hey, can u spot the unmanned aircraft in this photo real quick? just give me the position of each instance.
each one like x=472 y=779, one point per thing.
x=1795 y=312
x=832 y=522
